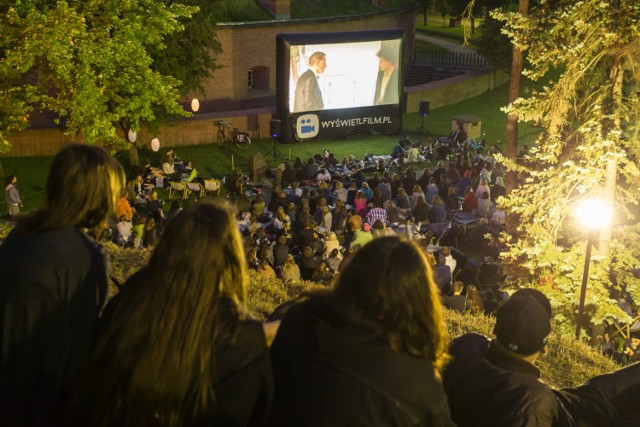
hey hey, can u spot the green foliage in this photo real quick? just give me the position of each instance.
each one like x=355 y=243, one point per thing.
x=238 y=11
x=87 y=62
x=189 y=55
x=5 y=228
x=325 y=8
x=589 y=141
x=494 y=45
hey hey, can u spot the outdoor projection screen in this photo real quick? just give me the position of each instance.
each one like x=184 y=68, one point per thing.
x=332 y=85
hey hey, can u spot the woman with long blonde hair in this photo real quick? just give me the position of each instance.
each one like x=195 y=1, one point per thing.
x=370 y=351
x=176 y=346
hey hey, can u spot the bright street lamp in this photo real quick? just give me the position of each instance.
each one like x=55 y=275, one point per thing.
x=593 y=214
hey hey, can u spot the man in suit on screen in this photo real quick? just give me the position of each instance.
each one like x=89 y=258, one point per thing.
x=308 y=96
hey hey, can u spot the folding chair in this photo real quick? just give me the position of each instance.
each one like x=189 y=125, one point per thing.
x=211 y=185
x=626 y=329
x=195 y=187
x=178 y=190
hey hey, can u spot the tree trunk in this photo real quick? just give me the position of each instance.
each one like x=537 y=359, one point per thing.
x=514 y=91
x=134 y=159
x=1 y=169
x=611 y=173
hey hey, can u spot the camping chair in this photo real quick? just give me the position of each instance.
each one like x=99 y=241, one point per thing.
x=197 y=188
x=211 y=185
x=178 y=190
x=626 y=329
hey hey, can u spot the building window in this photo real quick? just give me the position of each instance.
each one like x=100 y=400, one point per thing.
x=250 y=79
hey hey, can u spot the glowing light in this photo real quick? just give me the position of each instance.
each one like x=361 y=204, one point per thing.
x=594 y=213
x=195 y=105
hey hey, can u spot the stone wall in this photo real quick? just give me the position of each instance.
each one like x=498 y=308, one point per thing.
x=454 y=89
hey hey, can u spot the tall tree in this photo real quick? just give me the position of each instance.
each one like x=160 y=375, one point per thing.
x=588 y=146
x=189 y=55
x=511 y=144
x=87 y=62
x=425 y=7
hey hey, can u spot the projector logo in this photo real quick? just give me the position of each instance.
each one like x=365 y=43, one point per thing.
x=307 y=126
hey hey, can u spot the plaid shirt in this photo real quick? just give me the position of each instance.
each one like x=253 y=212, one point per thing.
x=375 y=214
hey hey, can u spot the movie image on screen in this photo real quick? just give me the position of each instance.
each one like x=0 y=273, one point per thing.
x=343 y=75
x=339 y=84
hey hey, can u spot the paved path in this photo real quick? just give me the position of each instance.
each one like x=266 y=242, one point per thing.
x=445 y=44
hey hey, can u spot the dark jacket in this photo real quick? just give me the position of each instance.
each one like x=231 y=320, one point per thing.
x=334 y=368
x=308 y=96
x=52 y=286
x=391 y=91
x=489 y=386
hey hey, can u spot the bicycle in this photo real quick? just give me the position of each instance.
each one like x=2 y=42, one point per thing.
x=227 y=133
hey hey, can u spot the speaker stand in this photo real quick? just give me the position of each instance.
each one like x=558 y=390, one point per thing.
x=423 y=128
x=274 y=150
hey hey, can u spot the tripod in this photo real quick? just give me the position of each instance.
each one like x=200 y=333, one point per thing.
x=274 y=150
x=423 y=128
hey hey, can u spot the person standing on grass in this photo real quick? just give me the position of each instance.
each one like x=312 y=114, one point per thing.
x=53 y=284
x=12 y=197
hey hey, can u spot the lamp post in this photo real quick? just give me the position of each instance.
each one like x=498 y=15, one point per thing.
x=593 y=214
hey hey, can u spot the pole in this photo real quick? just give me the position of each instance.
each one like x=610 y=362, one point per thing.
x=585 y=278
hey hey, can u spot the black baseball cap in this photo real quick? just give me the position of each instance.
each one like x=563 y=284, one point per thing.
x=523 y=323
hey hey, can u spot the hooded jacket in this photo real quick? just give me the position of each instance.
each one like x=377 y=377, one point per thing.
x=332 y=367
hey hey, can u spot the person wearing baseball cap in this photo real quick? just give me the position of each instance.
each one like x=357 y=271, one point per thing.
x=495 y=382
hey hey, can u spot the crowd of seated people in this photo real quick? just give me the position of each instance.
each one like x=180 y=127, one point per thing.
x=322 y=205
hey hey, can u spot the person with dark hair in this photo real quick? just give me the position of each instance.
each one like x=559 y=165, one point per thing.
x=54 y=284
x=369 y=351
x=12 y=197
x=308 y=96
x=387 y=80
x=420 y=212
x=176 y=347
x=154 y=208
x=442 y=274
x=495 y=382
